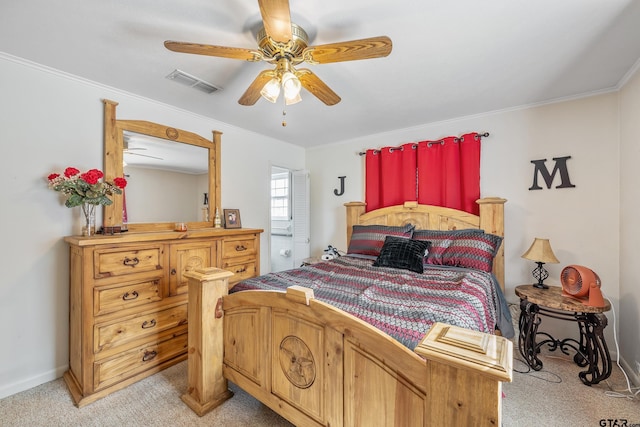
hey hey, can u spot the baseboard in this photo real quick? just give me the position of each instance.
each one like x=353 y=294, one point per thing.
x=631 y=373
x=19 y=386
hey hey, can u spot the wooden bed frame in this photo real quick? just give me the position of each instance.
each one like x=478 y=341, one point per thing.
x=318 y=366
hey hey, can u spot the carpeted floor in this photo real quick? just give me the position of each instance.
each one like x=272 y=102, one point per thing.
x=551 y=397
x=152 y=402
x=555 y=396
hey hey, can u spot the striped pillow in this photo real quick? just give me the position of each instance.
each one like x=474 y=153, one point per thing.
x=469 y=248
x=440 y=240
x=368 y=239
x=475 y=250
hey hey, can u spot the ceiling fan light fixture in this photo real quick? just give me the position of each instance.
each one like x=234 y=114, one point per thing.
x=271 y=90
x=294 y=100
x=291 y=85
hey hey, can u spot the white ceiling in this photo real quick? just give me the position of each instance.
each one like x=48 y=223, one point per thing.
x=450 y=58
x=146 y=151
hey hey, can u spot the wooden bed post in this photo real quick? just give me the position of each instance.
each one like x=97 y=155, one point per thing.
x=492 y=221
x=465 y=373
x=354 y=211
x=206 y=388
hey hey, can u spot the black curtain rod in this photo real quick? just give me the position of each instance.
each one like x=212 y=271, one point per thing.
x=414 y=146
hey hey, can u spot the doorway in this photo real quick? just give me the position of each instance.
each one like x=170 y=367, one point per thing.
x=290 y=228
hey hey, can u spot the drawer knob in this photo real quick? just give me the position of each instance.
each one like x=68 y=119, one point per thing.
x=148 y=324
x=149 y=355
x=173 y=271
x=241 y=248
x=131 y=262
x=241 y=270
x=130 y=296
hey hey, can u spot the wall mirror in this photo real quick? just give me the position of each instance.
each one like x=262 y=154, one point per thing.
x=173 y=175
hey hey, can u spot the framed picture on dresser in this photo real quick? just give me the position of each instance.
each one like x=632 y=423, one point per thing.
x=232 y=218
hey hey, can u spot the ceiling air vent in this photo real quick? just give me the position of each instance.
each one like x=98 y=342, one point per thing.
x=192 y=81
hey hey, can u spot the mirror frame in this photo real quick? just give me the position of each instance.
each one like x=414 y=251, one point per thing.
x=113 y=156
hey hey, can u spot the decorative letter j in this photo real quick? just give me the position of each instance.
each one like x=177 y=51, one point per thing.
x=341 y=192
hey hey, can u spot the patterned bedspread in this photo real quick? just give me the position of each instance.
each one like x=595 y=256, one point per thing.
x=401 y=303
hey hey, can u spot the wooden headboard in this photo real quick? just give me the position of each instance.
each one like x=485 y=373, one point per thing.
x=427 y=217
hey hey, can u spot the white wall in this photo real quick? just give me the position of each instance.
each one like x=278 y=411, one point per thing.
x=582 y=223
x=149 y=189
x=50 y=121
x=629 y=224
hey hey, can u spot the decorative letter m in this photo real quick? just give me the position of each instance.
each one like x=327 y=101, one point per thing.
x=561 y=166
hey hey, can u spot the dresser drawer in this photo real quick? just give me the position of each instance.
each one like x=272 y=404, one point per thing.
x=241 y=268
x=127 y=364
x=232 y=248
x=108 y=299
x=115 y=334
x=124 y=261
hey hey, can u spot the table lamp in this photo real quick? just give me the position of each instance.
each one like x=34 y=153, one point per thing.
x=540 y=252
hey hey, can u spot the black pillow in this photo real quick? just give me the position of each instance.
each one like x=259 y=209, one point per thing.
x=401 y=252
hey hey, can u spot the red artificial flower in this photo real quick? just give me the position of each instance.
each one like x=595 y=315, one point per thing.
x=120 y=182
x=92 y=176
x=69 y=172
x=85 y=188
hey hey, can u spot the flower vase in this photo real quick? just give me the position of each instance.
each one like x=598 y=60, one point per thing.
x=89 y=211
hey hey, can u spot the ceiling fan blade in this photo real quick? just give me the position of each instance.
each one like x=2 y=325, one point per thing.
x=144 y=155
x=374 y=47
x=317 y=87
x=211 y=50
x=276 y=17
x=252 y=94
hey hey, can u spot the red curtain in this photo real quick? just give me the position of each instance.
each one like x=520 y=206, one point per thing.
x=372 y=195
x=439 y=173
x=442 y=173
x=470 y=172
x=390 y=176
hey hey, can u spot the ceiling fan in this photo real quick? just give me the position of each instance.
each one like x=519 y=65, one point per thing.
x=126 y=149
x=285 y=45
x=131 y=152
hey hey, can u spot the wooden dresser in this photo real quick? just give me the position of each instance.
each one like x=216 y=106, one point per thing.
x=128 y=301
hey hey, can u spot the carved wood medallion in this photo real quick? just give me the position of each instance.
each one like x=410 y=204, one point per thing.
x=172 y=133
x=296 y=361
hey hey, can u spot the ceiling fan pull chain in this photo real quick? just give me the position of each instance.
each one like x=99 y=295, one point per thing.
x=284 y=113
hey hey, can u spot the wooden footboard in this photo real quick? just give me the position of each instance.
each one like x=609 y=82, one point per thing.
x=319 y=366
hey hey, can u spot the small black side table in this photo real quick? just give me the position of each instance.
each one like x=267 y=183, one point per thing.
x=591 y=350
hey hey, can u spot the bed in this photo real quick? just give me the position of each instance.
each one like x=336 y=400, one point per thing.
x=300 y=347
